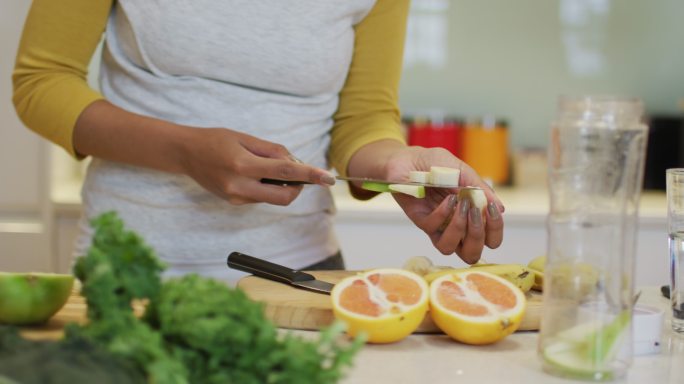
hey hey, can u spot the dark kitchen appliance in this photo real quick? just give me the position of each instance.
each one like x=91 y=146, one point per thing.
x=665 y=149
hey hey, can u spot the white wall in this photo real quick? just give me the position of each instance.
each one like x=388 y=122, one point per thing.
x=513 y=58
x=24 y=206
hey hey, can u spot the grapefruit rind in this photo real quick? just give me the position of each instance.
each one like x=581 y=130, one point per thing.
x=398 y=320
x=476 y=330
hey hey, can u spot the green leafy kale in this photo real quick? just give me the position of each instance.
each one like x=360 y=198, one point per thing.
x=194 y=329
x=223 y=337
x=72 y=360
x=118 y=268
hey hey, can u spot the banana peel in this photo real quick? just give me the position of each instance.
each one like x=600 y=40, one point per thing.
x=422 y=265
x=521 y=276
x=524 y=277
x=537 y=266
x=574 y=281
x=538 y=280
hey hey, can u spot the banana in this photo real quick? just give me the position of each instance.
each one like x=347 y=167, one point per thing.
x=538 y=280
x=538 y=263
x=518 y=274
x=420 y=265
x=573 y=280
x=537 y=266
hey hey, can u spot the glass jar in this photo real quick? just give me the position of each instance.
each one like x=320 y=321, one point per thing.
x=596 y=153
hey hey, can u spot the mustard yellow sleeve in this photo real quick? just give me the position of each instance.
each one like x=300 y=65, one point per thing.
x=368 y=108
x=50 y=73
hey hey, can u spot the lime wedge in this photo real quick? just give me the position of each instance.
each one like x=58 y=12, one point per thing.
x=587 y=350
x=571 y=360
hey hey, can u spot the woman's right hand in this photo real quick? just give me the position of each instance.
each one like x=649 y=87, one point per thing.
x=227 y=163
x=231 y=164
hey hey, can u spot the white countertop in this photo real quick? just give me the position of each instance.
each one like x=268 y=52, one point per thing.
x=436 y=359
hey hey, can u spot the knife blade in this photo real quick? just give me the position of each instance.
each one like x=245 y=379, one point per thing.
x=379 y=181
x=364 y=180
x=276 y=272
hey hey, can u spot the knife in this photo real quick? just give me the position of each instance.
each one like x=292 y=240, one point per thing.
x=387 y=182
x=279 y=273
x=364 y=180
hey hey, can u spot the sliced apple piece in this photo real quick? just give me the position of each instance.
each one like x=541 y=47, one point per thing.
x=419 y=177
x=476 y=197
x=375 y=187
x=417 y=191
x=445 y=176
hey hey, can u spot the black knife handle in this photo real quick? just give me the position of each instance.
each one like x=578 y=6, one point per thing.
x=265 y=269
x=665 y=290
x=284 y=183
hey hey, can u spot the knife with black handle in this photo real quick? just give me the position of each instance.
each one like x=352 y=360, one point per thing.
x=665 y=290
x=275 y=272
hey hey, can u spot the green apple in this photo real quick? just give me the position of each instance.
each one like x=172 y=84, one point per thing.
x=445 y=176
x=32 y=298
x=375 y=187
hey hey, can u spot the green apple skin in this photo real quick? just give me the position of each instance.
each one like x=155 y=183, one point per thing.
x=32 y=298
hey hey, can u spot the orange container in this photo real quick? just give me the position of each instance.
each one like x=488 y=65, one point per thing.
x=486 y=150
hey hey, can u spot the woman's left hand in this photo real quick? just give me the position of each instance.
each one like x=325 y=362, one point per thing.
x=453 y=226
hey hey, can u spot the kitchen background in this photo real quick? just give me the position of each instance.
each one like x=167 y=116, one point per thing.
x=486 y=72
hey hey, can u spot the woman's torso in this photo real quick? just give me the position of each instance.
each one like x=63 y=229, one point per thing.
x=272 y=69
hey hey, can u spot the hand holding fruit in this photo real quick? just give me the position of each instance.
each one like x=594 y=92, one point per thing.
x=452 y=222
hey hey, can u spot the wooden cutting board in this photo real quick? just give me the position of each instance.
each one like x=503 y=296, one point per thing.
x=295 y=308
x=74 y=311
x=286 y=306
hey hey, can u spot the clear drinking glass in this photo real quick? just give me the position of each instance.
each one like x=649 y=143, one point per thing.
x=675 y=225
x=596 y=160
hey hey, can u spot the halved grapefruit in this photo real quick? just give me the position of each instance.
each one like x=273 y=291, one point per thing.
x=385 y=304
x=476 y=307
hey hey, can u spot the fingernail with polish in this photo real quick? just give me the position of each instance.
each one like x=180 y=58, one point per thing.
x=328 y=179
x=465 y=206
x=452 y=202
x=475 y=216
x=493 y=211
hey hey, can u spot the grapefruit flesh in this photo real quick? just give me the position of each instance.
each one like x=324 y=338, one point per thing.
x=384 y=304
x=476 y=307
